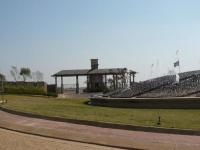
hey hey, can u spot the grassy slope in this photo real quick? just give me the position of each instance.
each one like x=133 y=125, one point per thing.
x=76 y=109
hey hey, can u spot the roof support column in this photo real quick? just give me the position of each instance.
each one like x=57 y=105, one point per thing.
x=133 y=77
x=130 y=79
x=62 y=85
x=56 y=84
x=116 y=81
x=2 y=88
x=123 y=80
x=87 y=83
x=77 y=85
x=105 y=77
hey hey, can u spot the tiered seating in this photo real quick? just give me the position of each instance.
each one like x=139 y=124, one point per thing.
x=188 y=74
x=152 y=84
x=165 y=86
x=145 y=86
x=112 y=93
x=124 y=93
x=188 y=85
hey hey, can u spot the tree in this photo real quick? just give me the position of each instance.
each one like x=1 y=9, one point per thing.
x=37 y=76
x=15 y=73
x=25 y=73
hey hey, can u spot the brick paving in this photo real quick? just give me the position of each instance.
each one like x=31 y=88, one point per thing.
x=11 y=140
x=103 y=136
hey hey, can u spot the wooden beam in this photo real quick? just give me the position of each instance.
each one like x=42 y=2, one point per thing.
x=56 y=84
x=116 y=81
x=62 y=88
x=1 y=89
x=114 y=86
x=87 y=83
x=123 y=80
x=105 y=81
x=77 y=85
x=133 y=78
x=130 y=79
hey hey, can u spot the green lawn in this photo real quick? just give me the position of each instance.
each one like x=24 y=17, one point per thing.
x=77 y=109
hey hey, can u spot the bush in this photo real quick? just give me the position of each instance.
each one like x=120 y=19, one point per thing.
x=20 y=89
x=106 y=90
x=52 y=94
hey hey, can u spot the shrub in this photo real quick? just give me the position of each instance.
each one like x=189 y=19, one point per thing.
x=106 y=90
x=21 y=89
x=52 y=94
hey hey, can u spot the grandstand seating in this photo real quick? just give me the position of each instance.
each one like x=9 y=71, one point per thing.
x=165 y=86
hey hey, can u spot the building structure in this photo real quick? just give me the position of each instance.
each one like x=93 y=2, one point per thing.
x=96 y=78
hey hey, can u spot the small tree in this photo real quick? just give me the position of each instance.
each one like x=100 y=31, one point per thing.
x=25 y=73
x=15 y=73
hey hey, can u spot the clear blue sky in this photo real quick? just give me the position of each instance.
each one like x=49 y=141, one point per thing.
x=51 y=35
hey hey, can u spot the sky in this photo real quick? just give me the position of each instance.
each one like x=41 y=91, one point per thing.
x=52 y=35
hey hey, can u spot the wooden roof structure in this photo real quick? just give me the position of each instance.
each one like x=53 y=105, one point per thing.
x=96 y=78
x=85 y=72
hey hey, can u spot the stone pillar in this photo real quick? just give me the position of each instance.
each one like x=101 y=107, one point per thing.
x=77 y=85
x=62 y=85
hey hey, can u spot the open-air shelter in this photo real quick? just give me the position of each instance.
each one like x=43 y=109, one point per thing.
x=96 y=78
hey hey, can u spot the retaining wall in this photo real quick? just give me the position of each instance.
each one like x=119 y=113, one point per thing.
x=161 y=103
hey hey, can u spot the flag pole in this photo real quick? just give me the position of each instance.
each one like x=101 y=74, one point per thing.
x=177 y=54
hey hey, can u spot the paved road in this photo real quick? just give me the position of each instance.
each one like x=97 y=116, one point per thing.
x=91 y=134
x=10 y=140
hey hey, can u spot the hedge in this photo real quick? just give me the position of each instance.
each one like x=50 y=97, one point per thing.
x=20 y=89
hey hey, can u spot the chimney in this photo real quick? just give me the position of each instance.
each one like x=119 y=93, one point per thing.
x=94 y=64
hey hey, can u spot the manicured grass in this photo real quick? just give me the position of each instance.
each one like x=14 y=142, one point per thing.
x=77 y=109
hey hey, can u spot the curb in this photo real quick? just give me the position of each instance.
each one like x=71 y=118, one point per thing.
x=106 y=125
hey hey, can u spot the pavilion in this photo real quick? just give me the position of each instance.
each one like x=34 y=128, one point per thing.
x=96 y=78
